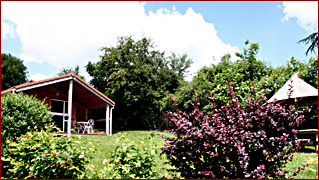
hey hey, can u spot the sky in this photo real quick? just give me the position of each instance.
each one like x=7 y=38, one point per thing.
x=50 y=35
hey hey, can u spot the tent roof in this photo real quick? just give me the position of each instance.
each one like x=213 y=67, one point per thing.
x=83 y=92
x=300 y=89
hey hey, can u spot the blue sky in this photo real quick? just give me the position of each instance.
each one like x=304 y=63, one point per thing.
x=48 y=36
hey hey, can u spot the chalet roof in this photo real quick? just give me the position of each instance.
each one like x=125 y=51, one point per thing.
x=83 y=91
x=300 y=89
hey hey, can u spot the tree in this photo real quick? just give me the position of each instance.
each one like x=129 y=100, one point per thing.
x=13 y=71
x=67 y=70
x=179 y=64
x=241 y=74
x=134 y=74
x=308 y=70
x=313 y=40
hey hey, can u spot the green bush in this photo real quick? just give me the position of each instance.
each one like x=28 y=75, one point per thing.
x=21 y=114
x=131 y=160
x=41 y=155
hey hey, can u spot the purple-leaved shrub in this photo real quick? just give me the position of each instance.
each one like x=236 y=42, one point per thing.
x=233 y=141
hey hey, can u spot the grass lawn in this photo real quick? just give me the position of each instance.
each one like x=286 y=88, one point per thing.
x=105 y=145
x=311 y=172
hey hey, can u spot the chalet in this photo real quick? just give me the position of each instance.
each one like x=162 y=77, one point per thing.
x=68 y=96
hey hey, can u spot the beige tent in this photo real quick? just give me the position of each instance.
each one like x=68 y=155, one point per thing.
x=303 y=94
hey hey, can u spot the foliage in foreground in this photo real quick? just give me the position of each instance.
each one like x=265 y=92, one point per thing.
x=41 y=155
x=131 y=160
x=21 y=114
x=107 y=144
x=27 y=148
x=254 y=141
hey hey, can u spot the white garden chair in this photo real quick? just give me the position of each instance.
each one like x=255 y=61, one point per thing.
x=77 y=126
x=89 y=126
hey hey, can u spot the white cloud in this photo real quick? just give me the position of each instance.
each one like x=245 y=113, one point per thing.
x=306 y=13
x=38 y=77
x=29 y=58
x=65 y=34
x=187 y=33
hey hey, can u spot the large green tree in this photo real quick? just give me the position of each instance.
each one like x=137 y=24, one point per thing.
x=135 y=75
x=13 y=71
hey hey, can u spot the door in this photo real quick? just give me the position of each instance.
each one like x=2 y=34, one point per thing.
x=59 y=109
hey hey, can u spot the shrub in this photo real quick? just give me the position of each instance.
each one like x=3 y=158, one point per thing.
x=21 y=114
x=41 y=155
x=131 y=160
x=254 y=141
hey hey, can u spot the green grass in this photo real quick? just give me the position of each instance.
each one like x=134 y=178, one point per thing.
x=311 y=172
x=105 y=145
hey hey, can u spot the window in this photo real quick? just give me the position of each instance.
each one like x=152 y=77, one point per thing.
x=59 y=106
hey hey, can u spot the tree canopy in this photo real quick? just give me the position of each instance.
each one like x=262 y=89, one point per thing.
x=13 y=71
x=241 y=74
x=135 y=75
